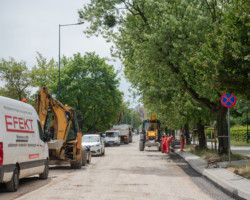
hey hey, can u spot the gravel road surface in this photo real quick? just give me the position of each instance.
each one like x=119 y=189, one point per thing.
x=123 y=173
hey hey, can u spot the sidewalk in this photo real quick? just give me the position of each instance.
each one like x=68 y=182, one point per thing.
x=233 y=184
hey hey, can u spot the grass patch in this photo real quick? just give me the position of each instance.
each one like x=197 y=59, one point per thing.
x=240 y=170
x=213 y=156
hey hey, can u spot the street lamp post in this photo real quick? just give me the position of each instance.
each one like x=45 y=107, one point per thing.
x=247 y=125
x=60 y=53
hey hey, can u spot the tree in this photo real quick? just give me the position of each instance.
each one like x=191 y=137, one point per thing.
x=129 y=116
x=224 y=57
x=176 y=109
x=90 y=86
x=16 y=77
x=45 y=72
x=159 y=40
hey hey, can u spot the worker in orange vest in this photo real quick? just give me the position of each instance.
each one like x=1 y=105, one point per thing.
x=163 y=144
x=182 y=138
x=168 y=143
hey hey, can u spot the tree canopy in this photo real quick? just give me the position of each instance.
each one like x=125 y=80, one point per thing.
x=45 y=73
x=90 y=86
x=176 y=47
x=16 y=78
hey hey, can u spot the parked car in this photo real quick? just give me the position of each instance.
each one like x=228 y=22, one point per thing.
x=112 y=137
x=95 y=143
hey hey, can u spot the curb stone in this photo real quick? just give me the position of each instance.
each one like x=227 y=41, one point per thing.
x=235 y=185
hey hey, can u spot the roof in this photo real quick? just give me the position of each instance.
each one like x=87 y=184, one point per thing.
x=94 y=135
x=12 y=104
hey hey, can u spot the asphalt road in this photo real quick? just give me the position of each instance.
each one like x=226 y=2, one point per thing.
x=123 y=173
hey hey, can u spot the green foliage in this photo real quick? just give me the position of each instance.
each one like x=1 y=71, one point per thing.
x=238 y=133
x=170 y=49
x=238 y=114
x=130 y=116
x=87 y=84
x=90 y=86
x=19 y=79
x=45 y=73
x=16 y=77
x=224 y=55
x=109 y=20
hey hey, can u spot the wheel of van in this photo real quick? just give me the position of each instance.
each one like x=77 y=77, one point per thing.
x=45 y=173
x=89 y=158
x=13 y=185
x=141 y=146
x=84 y=158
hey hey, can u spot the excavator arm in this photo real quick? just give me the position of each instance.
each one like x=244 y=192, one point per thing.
x=61 y=122
x=62 y=115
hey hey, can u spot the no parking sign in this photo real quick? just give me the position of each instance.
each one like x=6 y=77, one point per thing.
x=228 y=100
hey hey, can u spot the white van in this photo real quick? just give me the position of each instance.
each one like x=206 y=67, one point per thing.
x=112 y=137
x=23 y=147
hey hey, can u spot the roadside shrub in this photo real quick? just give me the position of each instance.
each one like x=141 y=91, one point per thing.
x=237 y=133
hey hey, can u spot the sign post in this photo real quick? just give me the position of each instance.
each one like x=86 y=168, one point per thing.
x=228 y=101
x=229 y=146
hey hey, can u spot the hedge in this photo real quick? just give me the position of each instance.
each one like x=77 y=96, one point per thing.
x=237 y=133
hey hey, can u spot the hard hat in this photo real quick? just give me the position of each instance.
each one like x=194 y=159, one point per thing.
x=24 y=100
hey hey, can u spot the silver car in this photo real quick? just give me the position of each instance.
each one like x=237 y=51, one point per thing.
x=95 y=143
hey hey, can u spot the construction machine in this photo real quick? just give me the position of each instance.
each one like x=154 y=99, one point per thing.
x=151 y=134
x=60 y=122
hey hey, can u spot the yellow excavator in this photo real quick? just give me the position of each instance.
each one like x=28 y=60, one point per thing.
x=60 y=122
x=151 y=134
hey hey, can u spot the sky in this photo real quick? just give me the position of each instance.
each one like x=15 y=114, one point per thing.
x=30 y=26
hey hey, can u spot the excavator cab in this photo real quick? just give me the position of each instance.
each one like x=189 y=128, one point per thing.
x=73 y=129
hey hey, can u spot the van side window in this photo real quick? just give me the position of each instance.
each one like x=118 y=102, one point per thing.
x=40 y=130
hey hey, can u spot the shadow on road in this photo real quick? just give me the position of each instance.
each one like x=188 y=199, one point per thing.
x=60 y=167
x=34 y=182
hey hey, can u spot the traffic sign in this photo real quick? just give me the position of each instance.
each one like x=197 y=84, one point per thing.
x=228 y=100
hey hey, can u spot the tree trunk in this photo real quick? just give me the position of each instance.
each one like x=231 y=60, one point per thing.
x=201 y=135
x=166 y=130
x=221 y=127
x=172 y=133
x=186 y=132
